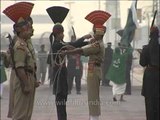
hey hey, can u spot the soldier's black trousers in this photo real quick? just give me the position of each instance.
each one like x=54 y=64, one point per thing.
x=78 y=75
x=61 y=106
x=152 y=108
x=128 y=82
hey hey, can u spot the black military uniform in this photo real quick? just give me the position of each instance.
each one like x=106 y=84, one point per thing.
x=106 y=64
x=128 y=69
x=149 y=59
x=60 y=87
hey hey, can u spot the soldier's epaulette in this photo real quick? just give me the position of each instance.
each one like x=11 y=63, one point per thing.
x=96 y=44
x=64 y=43
x=22 y=44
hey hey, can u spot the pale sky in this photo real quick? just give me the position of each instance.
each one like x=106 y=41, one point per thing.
x=79 y=10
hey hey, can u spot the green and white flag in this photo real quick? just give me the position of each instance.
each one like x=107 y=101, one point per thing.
x=131 y=25
x=117 y=69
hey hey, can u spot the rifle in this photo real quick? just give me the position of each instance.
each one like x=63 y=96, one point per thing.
x=11 y=45
x=154 y=18
x=73 y=31
x=74 y=34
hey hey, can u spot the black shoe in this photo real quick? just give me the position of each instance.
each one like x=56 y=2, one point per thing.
x=122 y=100
x=78 y=92
x=114 y=99
x=127 y=93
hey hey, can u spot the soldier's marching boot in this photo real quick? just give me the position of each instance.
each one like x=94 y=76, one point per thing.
x=78 y=93
x=122 y=99
x=114 y=99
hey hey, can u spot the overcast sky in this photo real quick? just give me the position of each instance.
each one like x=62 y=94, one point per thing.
x=79 y=10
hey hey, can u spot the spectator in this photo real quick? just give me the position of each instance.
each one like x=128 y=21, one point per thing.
x=42 y=59
x=106 y=64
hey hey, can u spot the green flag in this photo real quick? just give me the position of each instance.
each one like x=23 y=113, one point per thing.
x=117 y=68
x=131 y=25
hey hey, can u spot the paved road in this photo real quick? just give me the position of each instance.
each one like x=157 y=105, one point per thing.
x=77 y=109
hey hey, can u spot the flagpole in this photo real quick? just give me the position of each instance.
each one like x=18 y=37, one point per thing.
x=99 y=4
x=133 y=49
x=116 y=16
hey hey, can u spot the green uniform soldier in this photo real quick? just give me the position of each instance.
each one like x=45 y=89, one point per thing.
x=95 y=51
x=24 y=82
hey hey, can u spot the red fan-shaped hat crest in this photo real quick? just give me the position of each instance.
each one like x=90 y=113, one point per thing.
x=98 y=17
x=19 y=10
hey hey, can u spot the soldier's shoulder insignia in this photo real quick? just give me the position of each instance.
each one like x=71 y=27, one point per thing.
x=96 y=44
x=22 y=44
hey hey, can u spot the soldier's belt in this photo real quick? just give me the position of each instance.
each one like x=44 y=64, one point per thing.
x=29 y=70
x=151 y=67
x=63 y=65
x=98 y=64
x=95 y=63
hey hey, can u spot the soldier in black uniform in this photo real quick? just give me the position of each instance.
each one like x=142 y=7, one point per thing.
x=106 y=64
x=149 y=59
x=128 y=70
x=60 y=86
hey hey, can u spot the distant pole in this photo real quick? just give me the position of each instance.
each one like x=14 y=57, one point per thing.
x=99 y=4
x=70 y=18
x=41 y=40
x=107 y=8
x=148 y=17
x=116 y=17
x=70 y=7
